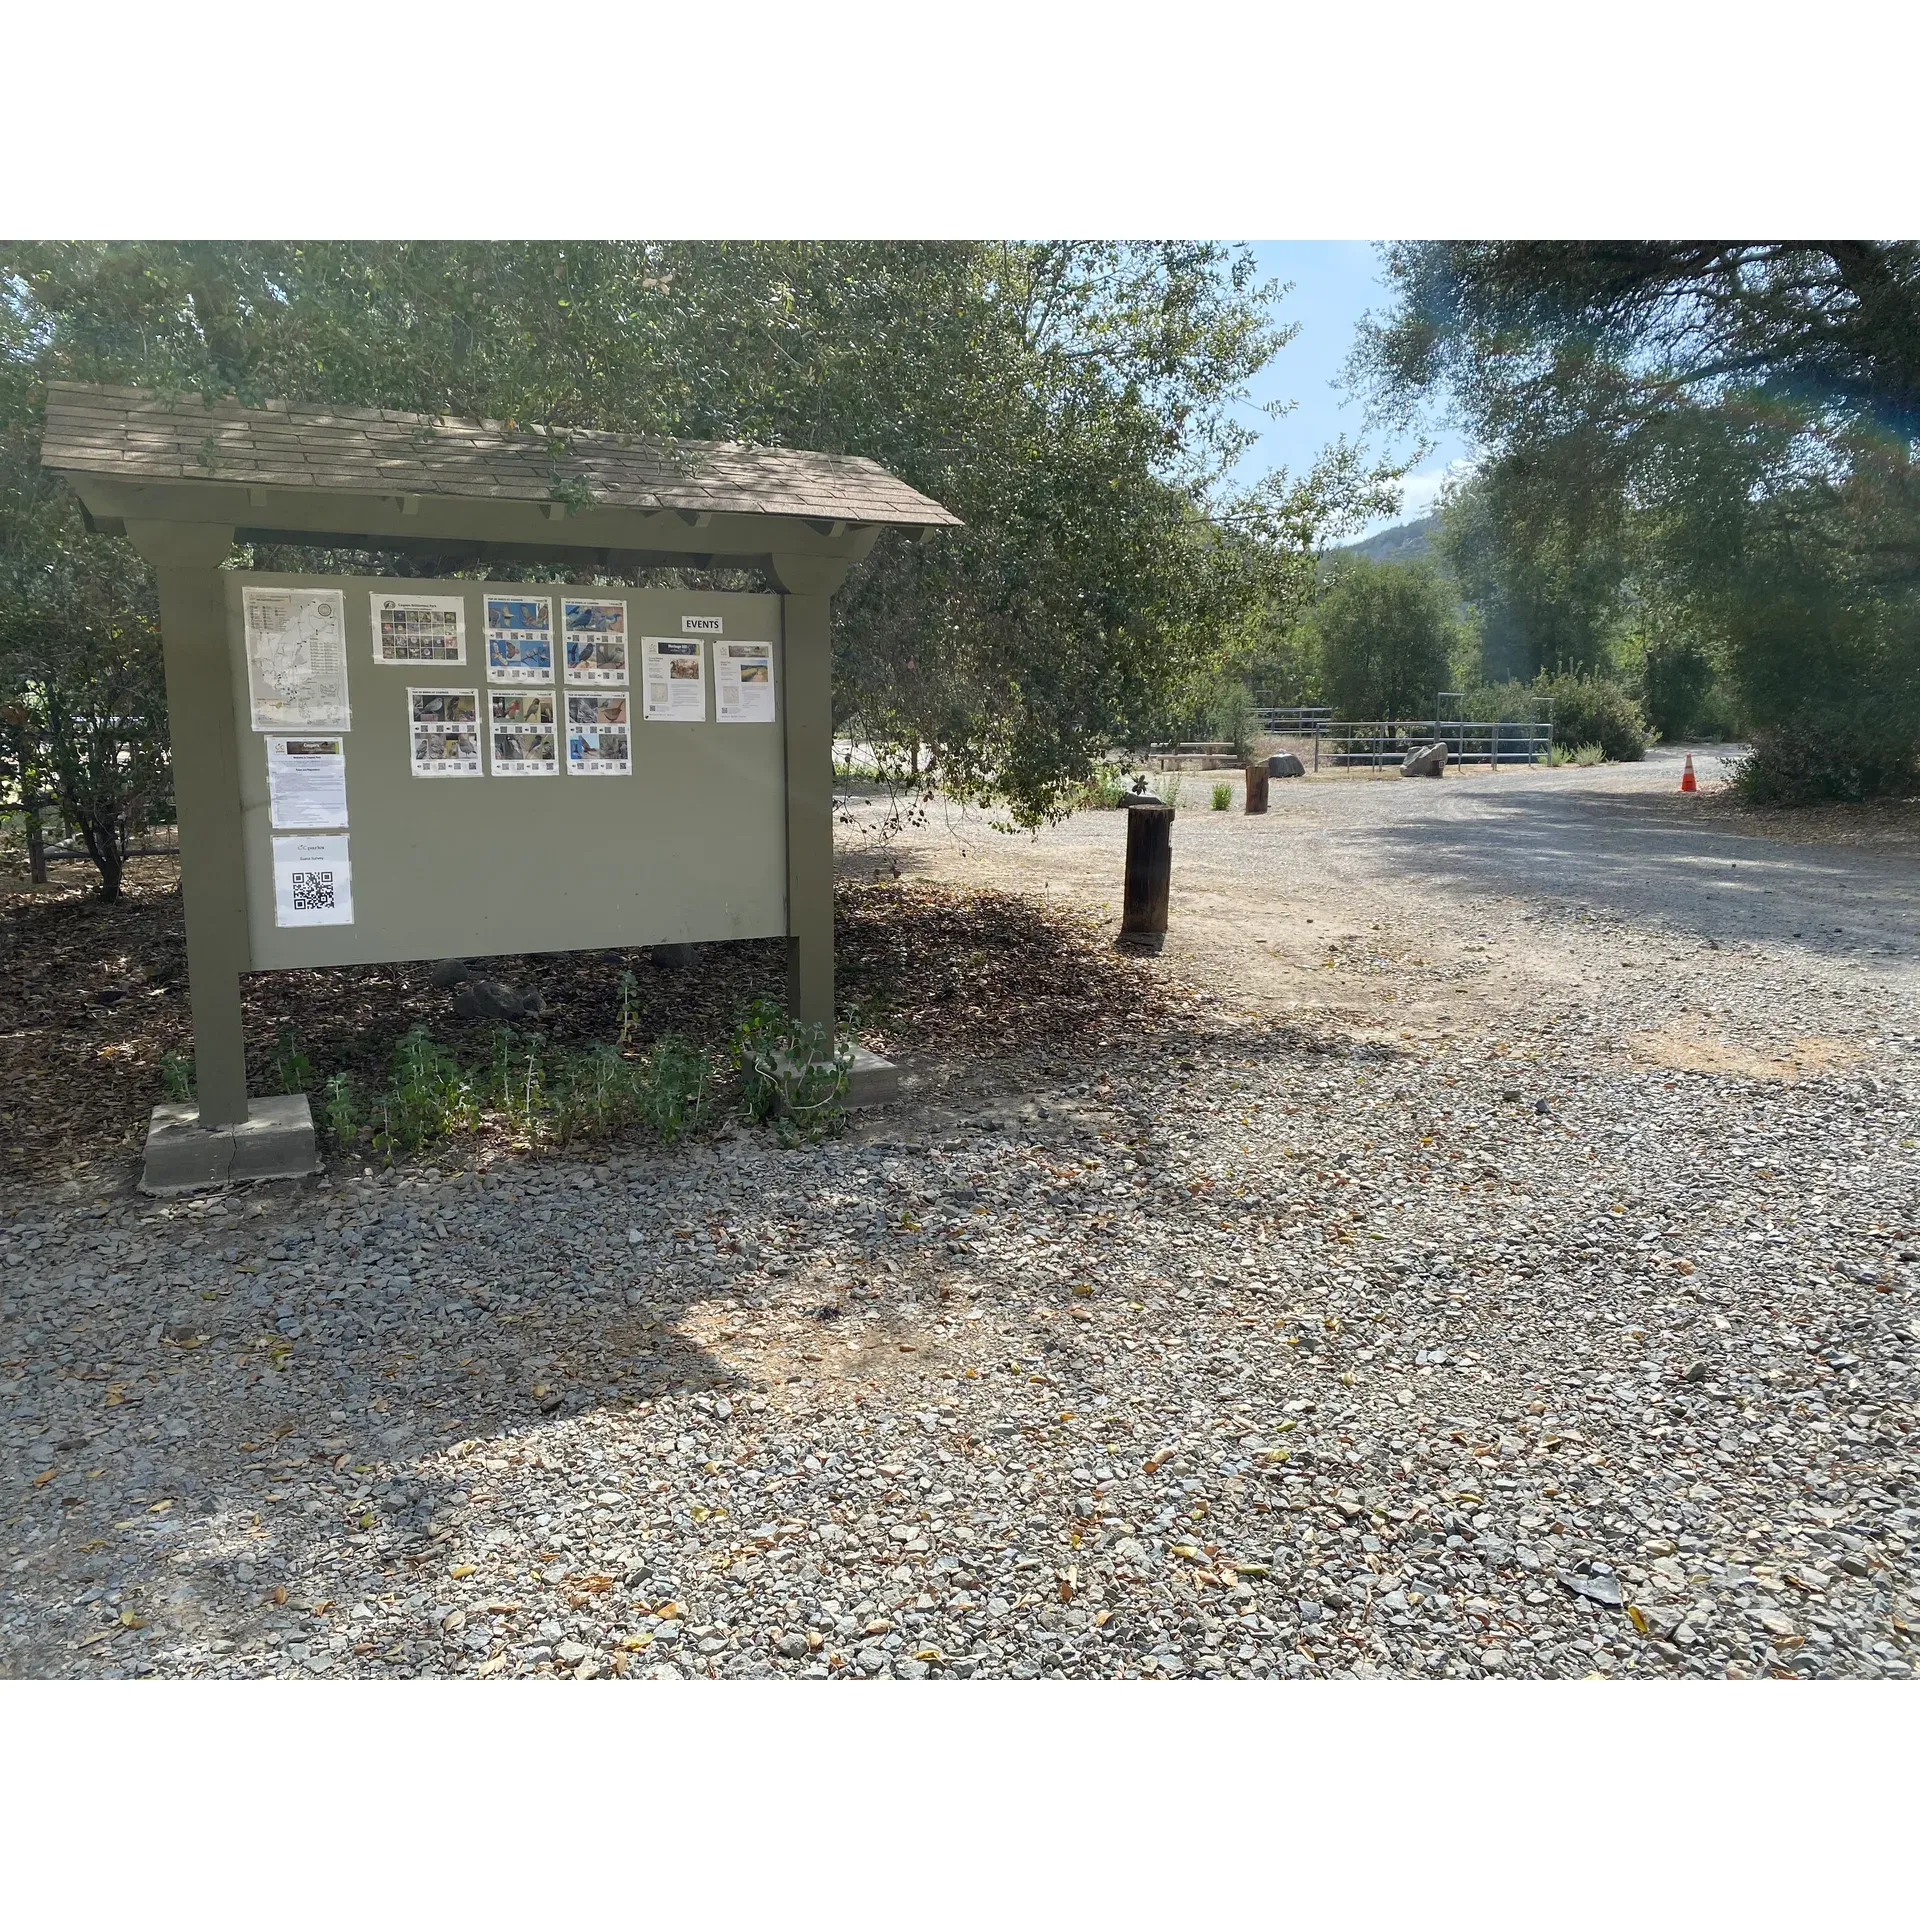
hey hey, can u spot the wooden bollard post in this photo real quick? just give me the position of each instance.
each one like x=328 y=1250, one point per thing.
x=1143 y=911
x=1257 y=778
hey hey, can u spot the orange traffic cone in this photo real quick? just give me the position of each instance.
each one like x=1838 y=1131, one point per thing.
x=1688 y=784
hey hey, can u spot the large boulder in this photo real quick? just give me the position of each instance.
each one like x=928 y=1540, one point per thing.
x=1285 y=766
x=1426 y=763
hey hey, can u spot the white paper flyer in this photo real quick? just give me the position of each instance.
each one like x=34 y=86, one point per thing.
x=743 y=680
x=598 y=735
x=419 y=629
x=445 y=725
x=312 y=882
x=296 y=657
x=522 y=730
x=306 y=780
x=596 y=642
x=519 y=640
x=676 y=683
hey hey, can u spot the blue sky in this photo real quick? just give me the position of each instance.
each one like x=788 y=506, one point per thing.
x=1335 y=282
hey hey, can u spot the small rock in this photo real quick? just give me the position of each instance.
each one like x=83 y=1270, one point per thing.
x=1600 y=1588
x=569 y=1653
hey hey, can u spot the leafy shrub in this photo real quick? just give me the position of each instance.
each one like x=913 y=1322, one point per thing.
x=792 y=1075
x=1811 y=763
x=340 y=1115
x=289 y=1066
x=1233 y=716
x=176 y=1077
x=1166 y=789
x=1104 y=787
x=426 y=1097
x=1589 y=711
x=1222 y=796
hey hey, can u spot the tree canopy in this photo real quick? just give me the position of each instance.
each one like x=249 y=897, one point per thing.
x=1713 y=440
x=1071 y=401
x=1386 y=632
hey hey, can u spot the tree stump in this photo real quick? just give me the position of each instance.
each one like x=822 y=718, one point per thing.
x=1143 y=911
x=1257 y=778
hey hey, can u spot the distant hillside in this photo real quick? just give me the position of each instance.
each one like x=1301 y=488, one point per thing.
x=1414 y=541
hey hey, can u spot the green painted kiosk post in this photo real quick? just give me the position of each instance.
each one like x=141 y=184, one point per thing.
x=462 y=761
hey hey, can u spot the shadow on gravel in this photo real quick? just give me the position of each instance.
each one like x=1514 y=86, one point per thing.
x=298 y=1445
x=1627 y=853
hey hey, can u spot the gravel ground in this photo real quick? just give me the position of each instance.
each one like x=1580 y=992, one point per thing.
x=1474 y=1293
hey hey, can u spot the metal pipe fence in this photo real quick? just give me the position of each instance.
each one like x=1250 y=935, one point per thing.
x=1384 y=743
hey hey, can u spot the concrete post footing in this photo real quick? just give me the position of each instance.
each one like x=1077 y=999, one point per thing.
x=274 y=1142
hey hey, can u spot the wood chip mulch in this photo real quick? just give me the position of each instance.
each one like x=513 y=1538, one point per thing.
x=93 y=997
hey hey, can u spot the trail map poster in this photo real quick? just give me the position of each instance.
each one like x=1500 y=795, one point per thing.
x=296 y=658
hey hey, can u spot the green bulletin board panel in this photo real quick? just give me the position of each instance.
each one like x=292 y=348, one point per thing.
x=691 y=845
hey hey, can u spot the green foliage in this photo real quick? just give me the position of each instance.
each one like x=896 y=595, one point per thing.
x=426 y=1097
x=292 y=1071
x=176 y=1077
x=1386 y=633
x=1735 y=424
x=1589 y=711
x=1073 y=402
x=341 y=1116
x=1166 y=788
x=1233 y=716
x=792 y=1075
x=1547 y=591
x=1103 y=787
x=1808 y=764
x=1222 y=796
x=1585 y=756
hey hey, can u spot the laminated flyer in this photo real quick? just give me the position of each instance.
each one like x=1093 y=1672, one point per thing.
x=445 y=725
x=296 y=657
x=306 y=780
x=312 y=881
x=598 y=736
x=419 y=629
x=743 y=680
x=521 y=726
x=519 y=640
x=596 y=639
x=676 y=684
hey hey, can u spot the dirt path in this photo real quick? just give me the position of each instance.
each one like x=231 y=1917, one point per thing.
x=1471 y=905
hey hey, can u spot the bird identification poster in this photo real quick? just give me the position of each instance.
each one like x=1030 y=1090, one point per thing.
x=519 y=640
x=445 y=724
x=419 y=629
x=523 y=733
x=596 y=642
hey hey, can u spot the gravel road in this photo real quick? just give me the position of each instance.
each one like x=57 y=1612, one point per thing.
x=1512 y=1277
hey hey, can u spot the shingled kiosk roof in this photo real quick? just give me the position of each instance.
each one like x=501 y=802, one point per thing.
x=128 y=434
